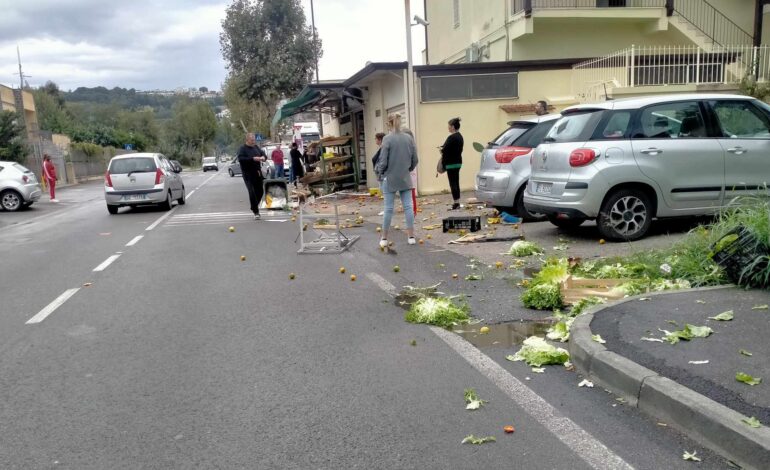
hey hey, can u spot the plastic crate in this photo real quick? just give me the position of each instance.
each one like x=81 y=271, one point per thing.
x=736 y=256
x=470 y=223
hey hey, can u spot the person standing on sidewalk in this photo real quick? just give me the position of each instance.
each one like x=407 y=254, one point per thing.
x=250 y=157
x=49 y=173
x=297 y=169
x=398 y=157
x=277 y=157
x=452 y=157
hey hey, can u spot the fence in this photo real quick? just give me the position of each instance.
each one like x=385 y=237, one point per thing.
x=88 y=166
x=668 y=65
x=521 y=5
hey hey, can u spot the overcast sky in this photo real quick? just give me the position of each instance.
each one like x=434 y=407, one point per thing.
x=138 y=44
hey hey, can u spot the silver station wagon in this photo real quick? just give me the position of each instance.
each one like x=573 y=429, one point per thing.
x=140 y=179
x=628 y=161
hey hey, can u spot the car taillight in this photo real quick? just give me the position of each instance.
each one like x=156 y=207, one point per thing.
x=107 y=179
x=581 y=157
x=159 y=176
x=507 y=154
x=25 y=178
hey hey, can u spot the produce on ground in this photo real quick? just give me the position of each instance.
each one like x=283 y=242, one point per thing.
x=536 y=352
x=441 y=311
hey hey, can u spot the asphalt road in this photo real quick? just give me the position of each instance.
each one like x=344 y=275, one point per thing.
x=177 y=354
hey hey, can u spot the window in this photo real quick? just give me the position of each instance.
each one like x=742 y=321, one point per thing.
x=511 y=134
x=456 y=11
x=468 y=87
x=615 y=127
x=534 y=137
x=741 y=120
x=132 y=165
x=574 y=127
x=672 y=120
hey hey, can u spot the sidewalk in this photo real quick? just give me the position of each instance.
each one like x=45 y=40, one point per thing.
x=669 y=381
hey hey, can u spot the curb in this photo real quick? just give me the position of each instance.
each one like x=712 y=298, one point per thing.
x=710 y=423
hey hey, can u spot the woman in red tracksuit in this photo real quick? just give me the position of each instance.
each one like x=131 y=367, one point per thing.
x=49 y=173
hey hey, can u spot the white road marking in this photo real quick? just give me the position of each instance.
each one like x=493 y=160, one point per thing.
x=573 y=436
x=191 y=192
x=50 y=308
x=106 y=263
x=167 y=214
x=135 y=240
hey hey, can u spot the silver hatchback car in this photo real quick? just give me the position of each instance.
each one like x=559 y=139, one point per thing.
x=628 y=161
x=505 y=165
x=18 y=186
x=140 y=179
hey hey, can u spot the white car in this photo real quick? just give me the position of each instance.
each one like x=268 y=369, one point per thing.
x=142 y=179
x=210 y=163
x=18 y=186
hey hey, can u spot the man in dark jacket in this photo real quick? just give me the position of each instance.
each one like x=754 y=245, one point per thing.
x=250 y=157
x=297 y=169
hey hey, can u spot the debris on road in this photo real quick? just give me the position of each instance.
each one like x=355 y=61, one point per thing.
x=472 y=400
x=724 y=316
x=689 y=332
x=522 y=248
x=745 y=353
x=760 y=307
x=586 y=383
x=598 y=339
x=748 y=379
x=537 y=352
x=471 y=439
x=441 y=311
x=753 y=422
x=698 y=362
x=509 y=429
x=690 y=456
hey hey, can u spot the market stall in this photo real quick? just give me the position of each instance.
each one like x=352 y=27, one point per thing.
x=337 y=168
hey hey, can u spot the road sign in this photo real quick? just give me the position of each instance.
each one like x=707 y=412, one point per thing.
x=128 y=147
x=259 y=137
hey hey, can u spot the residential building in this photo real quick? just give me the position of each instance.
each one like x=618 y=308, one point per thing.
x=22 y=102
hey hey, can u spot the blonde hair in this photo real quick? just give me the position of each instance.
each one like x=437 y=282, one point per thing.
x=394 y=122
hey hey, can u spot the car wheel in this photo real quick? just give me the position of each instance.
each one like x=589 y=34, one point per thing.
x=231 y=173
x=112 y=209
x=522 y=211
x=566 y=223
x=166 y=205
x=10 y=200
x=625 y=215
x=183 y=200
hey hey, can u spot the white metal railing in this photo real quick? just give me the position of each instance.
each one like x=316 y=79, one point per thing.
x=637 y=66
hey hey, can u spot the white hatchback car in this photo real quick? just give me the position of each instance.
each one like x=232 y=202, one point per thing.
x=625 y=162
x=139 y=179
x=18 y=186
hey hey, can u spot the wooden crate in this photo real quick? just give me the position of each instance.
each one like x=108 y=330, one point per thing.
x=574 y=289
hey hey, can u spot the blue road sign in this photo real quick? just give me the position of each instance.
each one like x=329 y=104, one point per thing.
x=128 y=147
x=259 y=137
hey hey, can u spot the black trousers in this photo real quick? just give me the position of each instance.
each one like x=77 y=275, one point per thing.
x=454 y=182
x=256 y=191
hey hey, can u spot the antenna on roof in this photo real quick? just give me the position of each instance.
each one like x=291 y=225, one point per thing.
x=21 y=72
x=606 y=97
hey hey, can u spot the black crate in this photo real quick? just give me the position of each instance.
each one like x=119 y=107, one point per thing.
x=471 y=223
x=739 y=257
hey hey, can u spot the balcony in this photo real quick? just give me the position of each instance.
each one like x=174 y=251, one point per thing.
x=528 y=6
x=665 y=69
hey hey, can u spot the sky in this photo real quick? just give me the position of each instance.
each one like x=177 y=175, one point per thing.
x=165 y=44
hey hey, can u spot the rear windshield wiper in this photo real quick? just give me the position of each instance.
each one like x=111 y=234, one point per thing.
x=549 y=139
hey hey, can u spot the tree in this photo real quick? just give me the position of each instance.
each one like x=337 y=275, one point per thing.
x=203 y=89
x=12 y=146
x=269 y=49
x=51 y=112
x=192 y=129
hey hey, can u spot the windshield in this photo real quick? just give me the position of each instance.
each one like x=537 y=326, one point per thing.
x=209 y=160
x=132 y=165
x=21 y=168
x=511 y=134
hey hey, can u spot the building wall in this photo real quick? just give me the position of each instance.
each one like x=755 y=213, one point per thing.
x=7 y=101
x=383 y=94
x=740 y=12
x=482 y=120
x=478 y=19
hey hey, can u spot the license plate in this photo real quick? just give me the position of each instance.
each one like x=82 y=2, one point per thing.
x=543 y=188
x=135 y=197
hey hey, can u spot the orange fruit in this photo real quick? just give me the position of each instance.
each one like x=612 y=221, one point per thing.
x=508 y=429
x=352 y=277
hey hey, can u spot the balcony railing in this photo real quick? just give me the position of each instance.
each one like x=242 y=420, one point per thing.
x=636 y=66
x=523 y=5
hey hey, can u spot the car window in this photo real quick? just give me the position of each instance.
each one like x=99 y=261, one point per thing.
x=21 y=168
x=132 y=165
x=574 y=127
x=209 y=160
x=741 y=120
x=512 y=133
x=615 y=126
x=680 y=120
x=534 y=136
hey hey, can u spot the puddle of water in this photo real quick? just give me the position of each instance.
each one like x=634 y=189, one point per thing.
x=503 y=335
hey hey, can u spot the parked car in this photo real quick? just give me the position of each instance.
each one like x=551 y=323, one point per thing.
x=210 y=163
x=234 y=168
x=628 y=161
x=140 y=179
x=18 y=186
x=505 y=165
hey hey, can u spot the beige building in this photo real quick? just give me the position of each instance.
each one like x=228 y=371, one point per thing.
x=21 y=101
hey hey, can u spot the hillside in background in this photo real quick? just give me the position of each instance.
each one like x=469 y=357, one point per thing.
x=130 y=99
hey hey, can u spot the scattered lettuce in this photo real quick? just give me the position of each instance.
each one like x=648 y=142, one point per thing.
x=598 y=339
x=690 y=456
x=560 y=330
x=441 y=311
x=523 y=248
x=554 y=271
x=724 y=316
x=542 y=297
x=472 y=399
x=747 y=379
x=753 y=422
x=689 y=332
x=745 y=353
x=536 y=352
x=471 y=439
x=584 y=304
x=760 y=307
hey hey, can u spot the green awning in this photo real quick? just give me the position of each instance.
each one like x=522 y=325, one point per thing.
x=306 y=98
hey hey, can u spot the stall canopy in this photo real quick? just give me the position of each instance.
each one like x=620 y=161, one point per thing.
x=316 y=96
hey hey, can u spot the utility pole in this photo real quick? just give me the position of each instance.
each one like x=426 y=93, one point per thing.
x=21 y=72
x=315 y=39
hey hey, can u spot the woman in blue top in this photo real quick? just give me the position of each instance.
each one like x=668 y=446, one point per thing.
x=452 y=157
x=398 y=157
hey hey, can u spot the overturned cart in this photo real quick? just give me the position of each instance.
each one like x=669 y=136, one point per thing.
x=324 y=243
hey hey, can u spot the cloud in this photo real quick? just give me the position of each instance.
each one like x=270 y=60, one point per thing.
x=148 y=44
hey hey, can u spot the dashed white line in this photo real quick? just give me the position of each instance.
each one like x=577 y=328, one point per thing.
x=50 y=308
x=191 y=192
x=135 y=240
x=573 y=436
x=167 y=214
x=106 y=263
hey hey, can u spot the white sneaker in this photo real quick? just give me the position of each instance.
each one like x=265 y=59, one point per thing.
x=54 y=200
x=383 y=243
x=411 y=241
